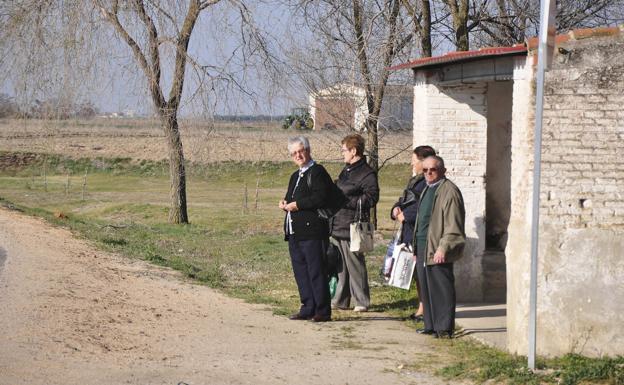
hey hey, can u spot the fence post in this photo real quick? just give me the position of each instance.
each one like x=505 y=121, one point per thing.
x=45 y=174
x=67 y=185
x=84 y=184
x=256 y=196
x=245 y=199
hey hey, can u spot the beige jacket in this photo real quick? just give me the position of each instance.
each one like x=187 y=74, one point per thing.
x=447 y=223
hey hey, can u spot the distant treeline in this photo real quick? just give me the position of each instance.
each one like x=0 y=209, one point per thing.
x=61 y=109
x=46 y=109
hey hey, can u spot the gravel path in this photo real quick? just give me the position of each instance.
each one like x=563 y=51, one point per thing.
x=71 y=314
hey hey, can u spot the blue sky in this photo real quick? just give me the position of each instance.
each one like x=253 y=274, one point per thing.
x=115 y=83
x=211 y=44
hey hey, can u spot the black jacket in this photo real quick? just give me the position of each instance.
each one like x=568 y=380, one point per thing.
x=357 y=181
x=409 y=205
x=306 y=223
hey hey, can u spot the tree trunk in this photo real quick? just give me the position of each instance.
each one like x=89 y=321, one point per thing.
x=373 y=157
x=459 y=12
x=425 y=36
x=373 y=142
x=461 y=26
x=177 y=173
x=422 y=24
x=461 y=36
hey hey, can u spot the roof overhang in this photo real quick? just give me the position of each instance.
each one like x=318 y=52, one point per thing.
x=462 y=56
x=519 y=49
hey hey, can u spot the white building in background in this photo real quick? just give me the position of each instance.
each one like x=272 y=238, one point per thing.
x=343 y=106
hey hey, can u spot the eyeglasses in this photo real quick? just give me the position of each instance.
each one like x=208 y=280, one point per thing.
x=298 y=152
x=345 y=150
x=432 y=169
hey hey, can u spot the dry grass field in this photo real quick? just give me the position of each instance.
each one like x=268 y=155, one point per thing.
x=203 y=142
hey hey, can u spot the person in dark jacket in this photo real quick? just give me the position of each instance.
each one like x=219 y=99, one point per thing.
x=307 y=234
x=406 y=208
x=358 y=182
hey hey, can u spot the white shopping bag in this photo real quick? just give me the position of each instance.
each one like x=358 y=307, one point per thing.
x=361 y=237
x=403 y=267
x=361 y=233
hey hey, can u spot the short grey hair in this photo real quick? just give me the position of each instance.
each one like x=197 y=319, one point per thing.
x=298 y=140
x=438 y=159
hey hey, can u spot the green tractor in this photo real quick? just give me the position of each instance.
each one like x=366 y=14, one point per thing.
x=299 y=119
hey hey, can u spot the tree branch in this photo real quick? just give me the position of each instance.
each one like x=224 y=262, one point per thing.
x=361 y=50
x=113 y=18
x=181 y=53
x=394 y=156
x=153 y=44
x=207 y=3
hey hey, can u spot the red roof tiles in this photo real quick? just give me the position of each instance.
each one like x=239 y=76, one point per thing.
x=453 y=57
x=518 y=49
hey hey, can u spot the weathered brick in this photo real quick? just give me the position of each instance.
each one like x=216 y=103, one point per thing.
x=593 y=114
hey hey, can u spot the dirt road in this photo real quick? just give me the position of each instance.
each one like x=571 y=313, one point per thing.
x=71 y=314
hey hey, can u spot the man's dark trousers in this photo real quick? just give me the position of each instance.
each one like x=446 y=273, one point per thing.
x=307 y=261
x=437 y=288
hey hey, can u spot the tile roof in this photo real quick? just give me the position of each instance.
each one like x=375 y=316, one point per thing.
x=517 y=49
x=459 y=56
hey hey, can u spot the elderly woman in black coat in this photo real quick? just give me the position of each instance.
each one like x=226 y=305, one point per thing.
x=358 y=182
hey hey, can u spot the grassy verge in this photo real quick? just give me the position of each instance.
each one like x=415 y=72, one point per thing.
x=234 y=241
x=122 y=206
x=471 y=360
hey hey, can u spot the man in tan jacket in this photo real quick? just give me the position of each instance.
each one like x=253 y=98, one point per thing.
x=439 y=239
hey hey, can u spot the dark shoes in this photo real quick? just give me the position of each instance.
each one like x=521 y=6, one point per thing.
x=299 y=317
x=416 y=317
x=445 y=335
x=315 y=318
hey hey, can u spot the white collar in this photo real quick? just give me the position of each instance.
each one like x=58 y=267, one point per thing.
x=436 y=183
x=306 y=166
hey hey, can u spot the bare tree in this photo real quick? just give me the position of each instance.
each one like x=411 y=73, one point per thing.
x=158 y=34
x=459 y=14
x=8 y=108
x=478 y=23
x=38 y=52
x=349 y=46
x=149 y=59
x=420 y=12
x=360 y=40
x=507 y=22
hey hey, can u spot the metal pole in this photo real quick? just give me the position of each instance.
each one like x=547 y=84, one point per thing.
x=546 y=12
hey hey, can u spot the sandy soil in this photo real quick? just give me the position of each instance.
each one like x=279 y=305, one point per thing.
x=70 y=314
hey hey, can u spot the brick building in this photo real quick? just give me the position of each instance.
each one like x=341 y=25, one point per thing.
x=343 y=106
x=477 y=108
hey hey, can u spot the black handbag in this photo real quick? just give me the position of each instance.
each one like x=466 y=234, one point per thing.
x=334 y=201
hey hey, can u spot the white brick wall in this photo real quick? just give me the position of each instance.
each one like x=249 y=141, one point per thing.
x=581 y=262
x=584 y=148
x=453 y=120
x=581 y=235
x=518 y=246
